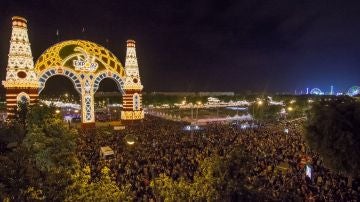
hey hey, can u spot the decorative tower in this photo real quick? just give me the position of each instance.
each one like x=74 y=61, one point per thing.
x=132 y=109
x=21 y=82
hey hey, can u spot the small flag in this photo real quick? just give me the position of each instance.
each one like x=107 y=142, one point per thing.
x=83 y=29
x=57 y=32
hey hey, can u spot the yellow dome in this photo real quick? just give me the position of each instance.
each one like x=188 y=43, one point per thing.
x=62 y=55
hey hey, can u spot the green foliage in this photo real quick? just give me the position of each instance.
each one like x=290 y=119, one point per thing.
x=13 y=132
x=233 y=172
x=218 y=178
x=333 y=130
x=45 y=167
x=22 y=112
x=51 y=147
x=39 y=114
x=201 y=189
x=82 y=189
x=51 y=144
x=265 y=111
x=14 y=168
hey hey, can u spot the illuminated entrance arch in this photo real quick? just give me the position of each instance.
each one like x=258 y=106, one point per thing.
x=85 y=63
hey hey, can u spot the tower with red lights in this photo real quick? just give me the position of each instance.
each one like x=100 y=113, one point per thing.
x=132 y=108
x=21 y=81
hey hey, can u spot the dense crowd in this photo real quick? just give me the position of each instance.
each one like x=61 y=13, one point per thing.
x=163 y=146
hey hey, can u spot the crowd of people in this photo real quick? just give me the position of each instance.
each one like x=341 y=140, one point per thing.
x=162 y=146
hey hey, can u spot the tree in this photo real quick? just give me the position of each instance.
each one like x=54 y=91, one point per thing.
x=333 y=130
x=265 y=111
x=13 y=180
x=201 y=189
x=51 y=147
x=40 y=113
x=22 y=111
x=83 y=189
x=45 y=166
x=218 y=178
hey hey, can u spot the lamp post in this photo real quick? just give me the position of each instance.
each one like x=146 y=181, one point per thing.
x=192 y=111
x=130 y=139
x=197 y=108
x=290 y=109
x=258 y=103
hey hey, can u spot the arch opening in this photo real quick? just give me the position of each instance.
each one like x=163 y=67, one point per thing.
x=115 y=77
x=45 y=75
x=108 y=99
x=65 y=92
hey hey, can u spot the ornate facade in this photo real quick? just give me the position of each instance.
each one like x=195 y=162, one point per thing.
x=85 y=63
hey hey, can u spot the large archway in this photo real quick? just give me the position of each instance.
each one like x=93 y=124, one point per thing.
x=85 y=63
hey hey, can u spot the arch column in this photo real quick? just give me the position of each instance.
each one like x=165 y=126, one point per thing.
x=87 y=103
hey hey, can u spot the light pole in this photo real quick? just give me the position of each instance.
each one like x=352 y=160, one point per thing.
x=258 y=103
x=289 y=109
x=130 y=139
x=197 y=108
x=192 y=113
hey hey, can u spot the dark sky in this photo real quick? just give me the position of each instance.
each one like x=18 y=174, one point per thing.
x=208 y=45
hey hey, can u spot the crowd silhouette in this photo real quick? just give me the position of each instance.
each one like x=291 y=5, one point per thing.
x=162 y=146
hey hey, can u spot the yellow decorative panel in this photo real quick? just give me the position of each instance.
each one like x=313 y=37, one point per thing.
x=63 y=53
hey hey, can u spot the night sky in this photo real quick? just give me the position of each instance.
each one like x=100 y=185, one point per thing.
x=270 y=46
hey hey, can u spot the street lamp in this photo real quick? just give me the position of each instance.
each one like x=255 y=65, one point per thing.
x=198 y=103
x=289 y=109
x=192 y=111
x=259 y=103
x=130 y=139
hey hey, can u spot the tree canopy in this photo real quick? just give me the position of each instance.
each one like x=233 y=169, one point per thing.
x=218 y=178
x=333 y=130
x=104 y=189
x=45 y=166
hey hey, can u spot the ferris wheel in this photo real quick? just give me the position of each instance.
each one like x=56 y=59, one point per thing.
x=354 y=90
x=316 y=91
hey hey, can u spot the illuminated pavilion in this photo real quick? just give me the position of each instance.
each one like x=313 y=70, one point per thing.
x=85 y=63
